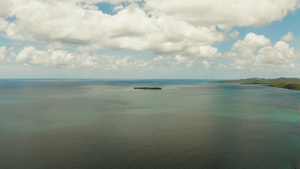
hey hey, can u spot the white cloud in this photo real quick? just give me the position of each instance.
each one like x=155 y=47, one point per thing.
x=76 y=59
x=235 y=34
x=2 y=53
x=185 y=31
x=117 y=8
x=159 y=58
x=130 y=29
x=50 y=58
x=280 y=54
x=248 y=46
x=252 y=40
x=115 y=2
x=81 y=58
x=202 y=51
x=247 y=55
x=288 y=37
x=3 y=24
x=224 y=13
x=206 y=64
x=4 y=7
x=184 y=60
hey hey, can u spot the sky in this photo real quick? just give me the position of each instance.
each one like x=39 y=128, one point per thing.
x=149 y=39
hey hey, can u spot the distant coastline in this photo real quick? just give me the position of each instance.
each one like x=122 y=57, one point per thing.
x=287 y=83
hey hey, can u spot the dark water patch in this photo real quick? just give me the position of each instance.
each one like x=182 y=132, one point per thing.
x=154 y=141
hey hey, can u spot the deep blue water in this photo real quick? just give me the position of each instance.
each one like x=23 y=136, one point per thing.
x=106 y=124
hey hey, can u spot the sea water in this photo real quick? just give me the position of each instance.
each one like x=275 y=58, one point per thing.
x=107 y=124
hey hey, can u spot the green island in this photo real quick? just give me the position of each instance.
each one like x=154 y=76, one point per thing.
x=287 y=83
x=148 y=88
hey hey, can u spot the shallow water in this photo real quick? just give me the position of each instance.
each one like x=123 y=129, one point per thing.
x=107 y=124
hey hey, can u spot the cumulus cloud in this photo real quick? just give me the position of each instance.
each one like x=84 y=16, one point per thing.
x=206 y=64
x=159 y=58
x=248 y=46
x=175 y=25
x=184 y=60
x=80 y=58
x=235 y=34
x=130 y=29
x=280 y=54
x=51 y=58
x=4 y=8
x=247 y=54
x=225 y=13
x=184 y=30
x=76 y=59
x=203 y=51
x=288 y=37
x=251 y=41
x=115 y=2
x=3 y=24
x=2 y=53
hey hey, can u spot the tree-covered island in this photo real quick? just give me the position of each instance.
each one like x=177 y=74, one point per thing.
x=287 y=83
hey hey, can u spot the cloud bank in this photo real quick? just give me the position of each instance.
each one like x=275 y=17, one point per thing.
x=63 y=34
x=256 y=52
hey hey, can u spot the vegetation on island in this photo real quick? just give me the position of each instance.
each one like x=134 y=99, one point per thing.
x=148 y=88
x=287 y=83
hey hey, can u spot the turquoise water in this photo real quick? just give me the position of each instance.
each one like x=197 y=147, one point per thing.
x=107 y=124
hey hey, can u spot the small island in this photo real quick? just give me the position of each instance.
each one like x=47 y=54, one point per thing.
x=287 y=83
x=147 y=88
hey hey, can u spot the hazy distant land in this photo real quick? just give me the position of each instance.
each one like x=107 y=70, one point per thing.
x=287 y=83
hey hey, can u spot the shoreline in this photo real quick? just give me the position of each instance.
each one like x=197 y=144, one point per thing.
x=286 y=83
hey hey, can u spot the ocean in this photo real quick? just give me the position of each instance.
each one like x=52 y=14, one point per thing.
x=95 y=124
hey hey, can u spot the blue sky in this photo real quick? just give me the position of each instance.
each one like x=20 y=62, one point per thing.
x=218 y=39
